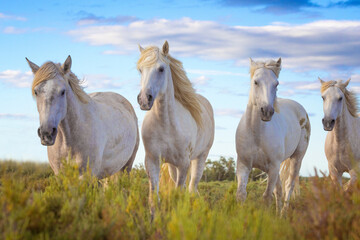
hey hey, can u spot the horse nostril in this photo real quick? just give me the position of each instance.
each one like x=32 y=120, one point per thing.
x=53 y=131
x=332 y=122
x=38 y=132
x=138 y=98
x=149 y=98
x=262 y=110
x=323 y=120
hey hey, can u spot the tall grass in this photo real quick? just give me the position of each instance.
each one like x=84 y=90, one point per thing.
x=38 y=205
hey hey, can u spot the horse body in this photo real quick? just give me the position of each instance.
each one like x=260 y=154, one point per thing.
x=341 y=144
x=265 y=144
x=101 y=132
x=261 y=138
x=179 y=127
x=170 y=133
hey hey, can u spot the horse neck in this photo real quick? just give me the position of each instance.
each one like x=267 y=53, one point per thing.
x=342 y=123
x=164 y=105
x=73 y=123
x=253 y=117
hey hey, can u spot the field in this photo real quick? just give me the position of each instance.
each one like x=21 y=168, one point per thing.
x=38 y=205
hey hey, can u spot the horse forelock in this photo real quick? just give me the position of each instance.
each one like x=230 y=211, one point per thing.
x=270 y=64
x=50 y=70
x=149 y=57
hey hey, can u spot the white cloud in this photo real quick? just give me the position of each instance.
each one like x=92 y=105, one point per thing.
x=201 y=80
x=21 y=79
x=17 y=78
x=217 y=127
x=355 y=78
x=13 y=30
x=11 y=17
x=216 y=73
x=100 y=81
x=324 y=45
x=236 y=113
x=15 y=116
x=308 y=85
x=90 y=19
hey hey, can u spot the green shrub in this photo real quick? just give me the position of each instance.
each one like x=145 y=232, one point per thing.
x=38 y=205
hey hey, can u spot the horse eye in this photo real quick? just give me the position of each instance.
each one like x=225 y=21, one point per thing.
x=140 y=71
x=161 y=69
x=340 y=98
x=63 y=93
x=323 y=97
x=255 y=82
x=35 y=92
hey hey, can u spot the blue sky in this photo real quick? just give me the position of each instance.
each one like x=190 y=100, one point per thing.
x=213 y=38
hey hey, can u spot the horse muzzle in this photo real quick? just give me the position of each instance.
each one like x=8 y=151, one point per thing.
x=47 y=135
x=267 y=113
x=328 y=124
x=146 y=102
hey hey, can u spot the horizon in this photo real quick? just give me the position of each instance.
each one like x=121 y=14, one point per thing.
x=213 y=39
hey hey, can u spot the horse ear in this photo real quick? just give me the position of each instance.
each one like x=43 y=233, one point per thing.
x=165 y=48
x=33 y=66
x=141 y=49
x=347 y=82
x=251 y=61
x=278 y=63
x=67 y=65
x=321 y=81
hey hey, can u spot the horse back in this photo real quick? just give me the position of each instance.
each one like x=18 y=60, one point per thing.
x=114 y=100
x=291 y=108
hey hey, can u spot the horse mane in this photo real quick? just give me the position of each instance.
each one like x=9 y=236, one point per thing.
x=270 y=64
x=350 y=96
x=273 y=66
x=50 y=70
x=183 y=89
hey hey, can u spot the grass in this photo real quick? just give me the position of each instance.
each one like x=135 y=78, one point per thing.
x=38 y=205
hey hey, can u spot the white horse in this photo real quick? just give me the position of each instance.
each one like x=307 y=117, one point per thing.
x=100 y=129
x=343 y=123
x=271 y=131
x=179 y=127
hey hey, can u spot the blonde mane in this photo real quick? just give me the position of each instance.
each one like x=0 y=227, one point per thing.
x=50 y=70
x=271 y=64
x=183 y=89
x=350 y=96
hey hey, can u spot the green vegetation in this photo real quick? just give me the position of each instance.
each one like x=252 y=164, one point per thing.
x=38 y=205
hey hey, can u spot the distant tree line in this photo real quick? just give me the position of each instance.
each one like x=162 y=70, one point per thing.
x=225 y=170
x=216 y=170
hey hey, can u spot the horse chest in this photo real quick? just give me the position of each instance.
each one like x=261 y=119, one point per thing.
x=341 y=155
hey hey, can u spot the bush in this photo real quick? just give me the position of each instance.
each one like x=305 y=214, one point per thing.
x=38 y=205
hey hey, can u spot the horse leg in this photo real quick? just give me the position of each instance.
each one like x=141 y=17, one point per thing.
x=294 y=169
x=295 y=164
x=153 y=171
x=242 y=174
x=352 y=181
x=129 y=164
x=182 y=171
x=278 y=194
x=172 y=172
x=197 y=169
x=335 y=175
x=273 y=174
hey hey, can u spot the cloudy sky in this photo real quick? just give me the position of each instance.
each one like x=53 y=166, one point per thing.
x=213 y=38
